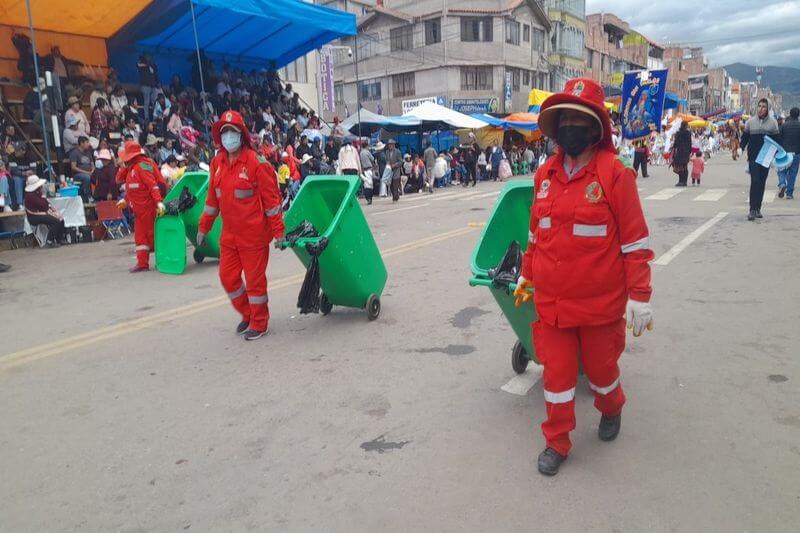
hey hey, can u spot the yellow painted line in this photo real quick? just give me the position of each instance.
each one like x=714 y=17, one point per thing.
x=42 y=351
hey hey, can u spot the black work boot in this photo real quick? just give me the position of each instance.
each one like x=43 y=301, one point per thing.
x=609 y=427
x=758 y=214
x=751 y=216
x=549 y=461
x=242 y=327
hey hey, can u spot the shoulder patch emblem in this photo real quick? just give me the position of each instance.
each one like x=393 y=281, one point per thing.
x=146 y=166
x=261 y=158
x=544 y=189
x=594 y=193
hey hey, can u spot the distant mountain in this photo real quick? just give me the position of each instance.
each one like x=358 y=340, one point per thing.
x=783 y=80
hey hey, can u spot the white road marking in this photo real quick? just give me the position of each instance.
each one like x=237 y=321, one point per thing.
x=435 y=198
x=769 y=196
x=399 y=209
x=673 y=252
x=711 y=195
x=522 y=383
x=666 y=194
x=487 y=195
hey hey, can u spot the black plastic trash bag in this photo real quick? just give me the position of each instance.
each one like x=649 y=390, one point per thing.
x=509 y=269
x=308 y=299
x=183 y=202
x=304 y=229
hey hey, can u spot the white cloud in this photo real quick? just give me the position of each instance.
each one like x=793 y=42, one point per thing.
x=761 y=32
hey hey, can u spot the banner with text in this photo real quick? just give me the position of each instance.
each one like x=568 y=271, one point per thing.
x=326 y=96
x=408 y=105
x=469 y=106
x=642 y=105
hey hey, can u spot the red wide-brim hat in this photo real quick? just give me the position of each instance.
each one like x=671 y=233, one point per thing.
x=579 y=94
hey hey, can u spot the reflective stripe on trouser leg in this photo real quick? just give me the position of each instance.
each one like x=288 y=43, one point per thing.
x=557 y=349
x=230 y=275
x=143 y=235
x=601 y=347
x=254 y=264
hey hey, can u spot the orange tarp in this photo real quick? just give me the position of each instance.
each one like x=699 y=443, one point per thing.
x=95 y=18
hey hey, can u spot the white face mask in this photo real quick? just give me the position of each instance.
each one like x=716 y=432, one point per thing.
x=98 y=164
x=231 y=141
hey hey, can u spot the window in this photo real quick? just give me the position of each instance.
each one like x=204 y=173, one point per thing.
x=402 y=38
x=526 y=78
x=474 y=29
x=338 y=94
x=433 y=31
x=512 y=32
x=403 y=85
x=476 y=78
x=515 y=75
x=295 y=71
x=369 y=90
x=526 y=33
x=538 y=40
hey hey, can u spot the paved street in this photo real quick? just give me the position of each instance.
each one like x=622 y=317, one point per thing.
x=129 y=404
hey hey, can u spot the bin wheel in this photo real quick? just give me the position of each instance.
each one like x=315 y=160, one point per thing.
x=325 y=305
x=198 y=257
x=373 y=307
x=519 y=358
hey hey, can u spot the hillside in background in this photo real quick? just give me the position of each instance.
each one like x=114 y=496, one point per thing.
x=783 y=80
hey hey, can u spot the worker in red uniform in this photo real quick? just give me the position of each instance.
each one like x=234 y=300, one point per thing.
x=142 y=193
x=587 y=257
x=243 y=189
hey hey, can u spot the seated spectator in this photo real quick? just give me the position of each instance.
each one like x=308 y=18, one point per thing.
x=313 y=120
x=224 y=86
x=104 y=176
x=5 y=188
x=39 y=211
x=71 y=133
x=20 y=165
x=113 y=133
x=99 y=118
x=97 y=93
x=176 y=85
x=150 y=145
x=80 y=160
x=171 y=171
x=161 y=107
x=118 y=101
x=74 y=110
x=167 y=149
x=175 y=123
x=131 y=129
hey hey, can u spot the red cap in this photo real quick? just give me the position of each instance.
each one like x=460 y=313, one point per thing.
x=580 y=94
x=131 y=150
x=233 y=119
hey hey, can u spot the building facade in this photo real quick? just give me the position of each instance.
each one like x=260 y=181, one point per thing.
x=567 y=41
x=471 y=55
x=682 y=63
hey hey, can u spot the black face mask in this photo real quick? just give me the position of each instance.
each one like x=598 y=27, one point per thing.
x=573 y=139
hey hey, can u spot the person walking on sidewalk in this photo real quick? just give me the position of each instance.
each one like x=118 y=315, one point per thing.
x=790 y=140
x=755 y=130
x=588 y=256
x=681 y=152
x=394 y=161
x=429 y=156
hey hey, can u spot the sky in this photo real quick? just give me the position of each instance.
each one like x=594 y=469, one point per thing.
x=758 y=32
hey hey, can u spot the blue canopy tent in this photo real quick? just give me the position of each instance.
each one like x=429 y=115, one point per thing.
x=248 y=33
x=673 y=101
x=506 y=124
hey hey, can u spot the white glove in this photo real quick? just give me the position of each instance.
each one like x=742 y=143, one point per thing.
x=201 y=238
x=161 y=209
x=640 y=316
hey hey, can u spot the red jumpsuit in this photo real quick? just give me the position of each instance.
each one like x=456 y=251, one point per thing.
x=245 y=193
x=587 y=254
x=142 y=192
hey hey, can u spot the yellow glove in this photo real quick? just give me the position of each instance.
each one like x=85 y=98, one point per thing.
x=521 y=293
x=122 y=204
x=161 y=209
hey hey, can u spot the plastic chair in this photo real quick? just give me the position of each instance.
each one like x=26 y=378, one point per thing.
x=112 y=218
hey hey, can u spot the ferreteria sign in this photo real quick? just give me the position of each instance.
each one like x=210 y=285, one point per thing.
x=408 y=105
x=476 y=105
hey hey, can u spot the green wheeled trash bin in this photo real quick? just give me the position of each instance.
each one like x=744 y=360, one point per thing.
x=170 y=243
x=352 y=272
x=510 y=221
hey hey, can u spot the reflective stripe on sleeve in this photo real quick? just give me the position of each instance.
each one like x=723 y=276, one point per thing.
x=590 y=230
x=544 y=223
x=218 y=191
x=235 y=294
x=641 y=244
x=241 y=194
x=210 y=210
x=559 y=397
x=142 y=248
x=604 y=390
x=531 y=237
x=258 y=300
x=133 y=185
x=274 y=211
